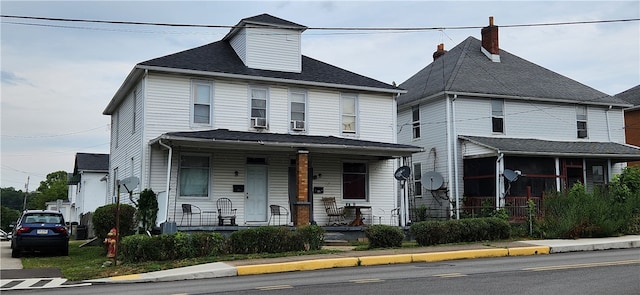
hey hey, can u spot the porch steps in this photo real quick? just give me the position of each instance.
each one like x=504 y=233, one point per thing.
x=335 y=239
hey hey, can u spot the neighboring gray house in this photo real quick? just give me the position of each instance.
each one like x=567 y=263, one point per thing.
x=482 y=113
x=251 y=119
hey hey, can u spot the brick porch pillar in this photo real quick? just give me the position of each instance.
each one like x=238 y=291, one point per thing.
x=302 y=205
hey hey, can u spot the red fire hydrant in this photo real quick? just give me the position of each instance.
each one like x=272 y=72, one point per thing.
x=110 y=241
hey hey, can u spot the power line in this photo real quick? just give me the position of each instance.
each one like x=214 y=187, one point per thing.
x=315 y=28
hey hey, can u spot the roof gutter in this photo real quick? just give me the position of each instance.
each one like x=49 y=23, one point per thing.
x=287 y=144
x=528 y=98
x=268 y=79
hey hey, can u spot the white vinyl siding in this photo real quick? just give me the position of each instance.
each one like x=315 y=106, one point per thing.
x=273 y=49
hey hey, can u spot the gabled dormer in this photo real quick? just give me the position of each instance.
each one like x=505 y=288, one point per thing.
x=266 y=42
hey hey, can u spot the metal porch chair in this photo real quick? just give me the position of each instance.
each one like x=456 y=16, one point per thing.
x=189 y=210
x=226 y=211
x=278 y=211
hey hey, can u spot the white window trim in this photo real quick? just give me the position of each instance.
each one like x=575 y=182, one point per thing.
x=194 y=84
x=413 y=123
x=502 y=116
x=585 y=120
x=210 y=178
x=355 y=115
x=267 y=98
x=306 y=109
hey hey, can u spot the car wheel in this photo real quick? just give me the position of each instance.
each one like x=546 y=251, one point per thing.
x=15 y=252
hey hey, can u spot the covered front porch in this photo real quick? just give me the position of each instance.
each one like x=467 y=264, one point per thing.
x=256 y=170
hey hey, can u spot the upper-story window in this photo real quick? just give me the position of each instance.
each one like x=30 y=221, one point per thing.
x=259 y=97
x=415 y=111
x=417 y=179
x=298 y=107
x=354 y=181
x=134 y=111
x=581 y=119
x=349 y=111
x=202 y=92
x=194 y=176
x=497 y=115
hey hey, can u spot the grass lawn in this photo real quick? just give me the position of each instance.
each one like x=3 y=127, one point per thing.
x=87 y=262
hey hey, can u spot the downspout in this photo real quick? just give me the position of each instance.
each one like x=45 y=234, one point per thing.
x=498 y=179
x=455 y=158
x=168 y=179
x=449 y=145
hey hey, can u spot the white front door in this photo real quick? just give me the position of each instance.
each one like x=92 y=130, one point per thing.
x=256 y=193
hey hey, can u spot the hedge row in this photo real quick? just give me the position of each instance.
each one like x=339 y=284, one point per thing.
x=268 y=239
x=460 y=230
x=384 y=236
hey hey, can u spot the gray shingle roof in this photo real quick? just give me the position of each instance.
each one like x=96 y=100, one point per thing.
x=631 y=95
x=91 y=162
x=465 y=69
x=219 y=57
x=289 y=140
x=523 y=146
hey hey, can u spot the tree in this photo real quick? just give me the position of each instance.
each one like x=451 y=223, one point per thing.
x=51 y=189
x=11 y=198
x=8 y=215
x=147 y=209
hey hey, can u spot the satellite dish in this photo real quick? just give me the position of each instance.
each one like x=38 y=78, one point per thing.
x=432 y=180
x=510 y=175
x=130 y=183
x=402 y=173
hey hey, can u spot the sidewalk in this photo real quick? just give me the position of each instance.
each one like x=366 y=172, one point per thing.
x=350 y=258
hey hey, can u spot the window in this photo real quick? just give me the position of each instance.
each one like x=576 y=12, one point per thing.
x=133 y=113
x=202 y=98
x=115 y=181
x=416 y=121
x=115 y=126
x=194 y=176
x=354 y=181
x=497 y=115
x=349 y=112
x=417 y=179
x=259 y=107
x=581 y=119
x=298 y=110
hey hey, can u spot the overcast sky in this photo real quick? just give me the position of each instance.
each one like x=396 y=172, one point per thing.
x=57 y=77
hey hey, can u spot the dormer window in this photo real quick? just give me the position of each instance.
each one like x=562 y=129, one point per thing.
x=581 y=120
x=497 y=115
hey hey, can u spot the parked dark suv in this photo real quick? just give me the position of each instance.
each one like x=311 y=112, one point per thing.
x=41 y=230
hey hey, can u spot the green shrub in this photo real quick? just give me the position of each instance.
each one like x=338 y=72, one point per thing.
x=264 y=239
x=384 y=236
x=463 y=230
x=208 y=243
x=139 y=248
x=311 y=236
x=104 y=219
x=147 y=209
x=183 y=246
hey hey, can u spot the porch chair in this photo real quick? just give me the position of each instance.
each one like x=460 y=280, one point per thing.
x=278 y=211
x=226 y=211
x=333 y=211
x=395 y=214
x=189 y=210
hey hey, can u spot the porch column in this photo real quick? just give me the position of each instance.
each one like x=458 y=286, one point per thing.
x=302 y=205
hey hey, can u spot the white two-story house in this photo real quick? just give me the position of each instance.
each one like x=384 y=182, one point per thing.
x=498 y=128
x=251 y=119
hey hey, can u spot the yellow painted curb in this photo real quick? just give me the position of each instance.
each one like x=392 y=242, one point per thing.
x=466 y=254
x=386 y=259
x=296 y=266
x=126 y=277
x=533 y=250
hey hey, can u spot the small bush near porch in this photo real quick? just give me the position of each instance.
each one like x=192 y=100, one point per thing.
x=428 y=233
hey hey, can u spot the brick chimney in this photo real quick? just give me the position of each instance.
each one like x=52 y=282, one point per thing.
x=490 y=41
x=439 y=52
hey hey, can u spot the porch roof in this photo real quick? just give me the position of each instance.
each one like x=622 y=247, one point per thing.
x=224 y=138
x=536 y=147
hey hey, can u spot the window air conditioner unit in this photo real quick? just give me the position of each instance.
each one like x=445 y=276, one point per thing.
x=297 y=125
x=259 y=123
